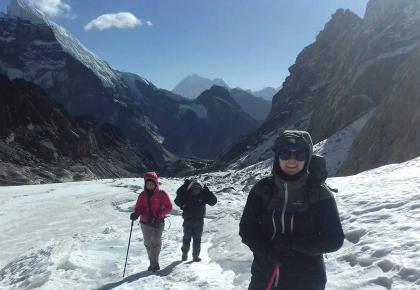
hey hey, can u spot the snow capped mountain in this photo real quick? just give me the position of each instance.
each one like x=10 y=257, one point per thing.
x=155 y=120
x=38 y=50
x=22 y=10
x=192 y=86
x=77 y=234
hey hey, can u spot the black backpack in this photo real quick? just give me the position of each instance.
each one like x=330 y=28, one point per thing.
x=317 y=170
x=316 y=180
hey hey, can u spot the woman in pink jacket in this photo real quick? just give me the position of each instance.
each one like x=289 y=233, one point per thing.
x=152 y=207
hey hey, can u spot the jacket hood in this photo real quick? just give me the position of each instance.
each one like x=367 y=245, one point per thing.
x=302 y=138
x=294 y=137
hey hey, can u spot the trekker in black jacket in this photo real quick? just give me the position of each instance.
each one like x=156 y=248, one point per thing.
x=291 y=219
x=192 y=198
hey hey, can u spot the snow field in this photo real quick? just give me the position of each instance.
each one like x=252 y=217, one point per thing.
x=75 y=235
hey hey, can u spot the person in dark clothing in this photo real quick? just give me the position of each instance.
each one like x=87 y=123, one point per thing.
x=192 y=198
x=291 y=219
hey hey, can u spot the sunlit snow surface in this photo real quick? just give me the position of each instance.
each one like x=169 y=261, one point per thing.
x=74 y=235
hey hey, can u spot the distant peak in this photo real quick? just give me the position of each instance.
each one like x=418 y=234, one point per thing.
x=193 y=85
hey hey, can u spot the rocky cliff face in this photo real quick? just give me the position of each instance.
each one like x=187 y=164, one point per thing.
x=354 y=66
x=39 y=142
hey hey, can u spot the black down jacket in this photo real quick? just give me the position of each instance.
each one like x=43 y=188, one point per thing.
x=194 y=206
x=305 y=219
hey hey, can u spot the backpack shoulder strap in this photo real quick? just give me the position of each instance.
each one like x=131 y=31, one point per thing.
x=319 y=193
x=265 y=188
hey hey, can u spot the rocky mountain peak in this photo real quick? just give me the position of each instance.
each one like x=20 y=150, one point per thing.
x=340 y=21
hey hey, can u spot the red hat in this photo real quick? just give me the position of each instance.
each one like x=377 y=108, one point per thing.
x=151 y=176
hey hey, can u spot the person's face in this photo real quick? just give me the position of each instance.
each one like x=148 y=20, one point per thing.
x=292 y=161
x=195 y=189
x=150 y=185
x=291 y=166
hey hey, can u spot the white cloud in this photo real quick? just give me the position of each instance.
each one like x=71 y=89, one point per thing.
x=120 y=20
x=149 y=23
x=52 y=8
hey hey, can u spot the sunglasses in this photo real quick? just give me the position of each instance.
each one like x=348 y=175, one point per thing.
x=286 y=153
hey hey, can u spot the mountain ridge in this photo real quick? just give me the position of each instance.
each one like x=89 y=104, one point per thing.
x=350 y=70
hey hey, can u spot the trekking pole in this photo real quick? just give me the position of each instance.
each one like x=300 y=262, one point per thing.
x=274 y=276
x=129 y=239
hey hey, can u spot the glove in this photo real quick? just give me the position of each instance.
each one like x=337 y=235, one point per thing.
x=280 y=248
x=133 y=216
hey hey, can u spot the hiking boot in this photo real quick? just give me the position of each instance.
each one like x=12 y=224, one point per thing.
x=184 y=257
x=196 y=259
x=153 y=268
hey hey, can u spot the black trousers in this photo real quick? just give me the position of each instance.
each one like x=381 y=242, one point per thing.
x=193 y=228
x=262 y=270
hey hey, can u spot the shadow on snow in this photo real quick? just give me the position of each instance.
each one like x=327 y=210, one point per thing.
x=164 y=272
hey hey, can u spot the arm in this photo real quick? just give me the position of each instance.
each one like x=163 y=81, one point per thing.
x=166 y=206
x=181 y=195
x=330 y=238
x=249 y=228
x=209 y=196
x=139 y=209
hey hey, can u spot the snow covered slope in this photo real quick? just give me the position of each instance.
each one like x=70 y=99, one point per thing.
x=335 y=149
x=74 y=236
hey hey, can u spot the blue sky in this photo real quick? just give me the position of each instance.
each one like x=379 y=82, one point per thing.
x=250 y=44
